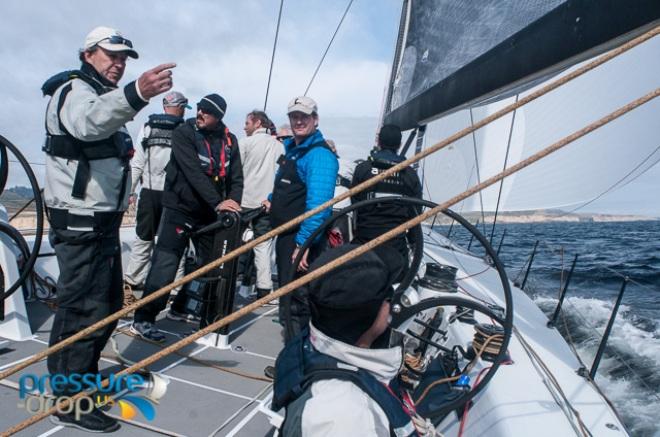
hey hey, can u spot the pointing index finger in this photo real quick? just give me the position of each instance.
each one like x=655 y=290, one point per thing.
x=163 y=67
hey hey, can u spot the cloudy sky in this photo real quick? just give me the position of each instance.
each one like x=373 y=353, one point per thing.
x=223 y=46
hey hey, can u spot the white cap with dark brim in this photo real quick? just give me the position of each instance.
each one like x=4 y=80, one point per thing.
x=303 y=104
x=109 y=39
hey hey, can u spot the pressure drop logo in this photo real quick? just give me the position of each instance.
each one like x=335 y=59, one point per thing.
x=121 y=390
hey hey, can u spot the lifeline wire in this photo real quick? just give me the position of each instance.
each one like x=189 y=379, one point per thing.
x=358 y=188
x=353 y=253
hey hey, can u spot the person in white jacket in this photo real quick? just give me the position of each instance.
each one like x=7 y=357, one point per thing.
x=346 y=355
x=152 y=154
x=259 y=154
x=86 y=192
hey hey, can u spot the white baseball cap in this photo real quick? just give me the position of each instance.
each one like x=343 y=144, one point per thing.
x=303 y=104
x=110 y=39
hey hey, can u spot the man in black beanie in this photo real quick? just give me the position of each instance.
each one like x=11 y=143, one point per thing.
x=333 y=379
x=203 y=178
x=374 y=220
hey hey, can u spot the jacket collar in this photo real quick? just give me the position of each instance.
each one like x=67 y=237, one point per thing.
x=314 y=138
x=261 y=130
x=387 y=155
x=384 y=364
x=91 y=72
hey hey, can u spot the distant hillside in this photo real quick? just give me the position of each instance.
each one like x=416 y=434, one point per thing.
x=551 y=215
x=20 y=192
x=15 y=197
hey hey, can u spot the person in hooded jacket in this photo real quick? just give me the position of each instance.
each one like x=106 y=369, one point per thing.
x=334 y=379
x=204 y=177
x=374 y=220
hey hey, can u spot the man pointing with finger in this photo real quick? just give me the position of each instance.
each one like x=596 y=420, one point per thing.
x=86 y=191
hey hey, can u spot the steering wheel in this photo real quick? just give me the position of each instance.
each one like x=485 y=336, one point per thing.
x=9 y=230
x=400 y=312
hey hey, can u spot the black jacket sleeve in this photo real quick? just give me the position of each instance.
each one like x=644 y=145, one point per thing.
x=235 y=180
x=185 y=156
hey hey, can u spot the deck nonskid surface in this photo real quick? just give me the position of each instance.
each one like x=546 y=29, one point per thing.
x=201 y=399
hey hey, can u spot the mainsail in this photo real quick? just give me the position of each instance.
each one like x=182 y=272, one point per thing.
x=458 y=62
x=457 y=52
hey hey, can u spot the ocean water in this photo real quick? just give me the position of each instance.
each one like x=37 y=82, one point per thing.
x=629 y=373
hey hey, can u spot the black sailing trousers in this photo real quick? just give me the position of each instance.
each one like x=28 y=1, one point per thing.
x=89 y=288
x=294 y=308
x=174 y=235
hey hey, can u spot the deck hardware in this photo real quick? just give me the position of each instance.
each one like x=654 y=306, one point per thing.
x=431 y=327
x=553 y=320
x=529 y=265
x=428 y=342
x=396 y=309
x=608 y=329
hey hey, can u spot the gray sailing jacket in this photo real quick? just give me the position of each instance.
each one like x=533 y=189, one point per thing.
x=88 y=116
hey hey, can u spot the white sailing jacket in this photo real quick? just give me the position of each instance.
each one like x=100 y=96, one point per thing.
x=149 y=166
x=333 y=407
x=259 y=154
x=88 y=116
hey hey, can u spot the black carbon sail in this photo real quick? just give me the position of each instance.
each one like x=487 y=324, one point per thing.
x=455 y=53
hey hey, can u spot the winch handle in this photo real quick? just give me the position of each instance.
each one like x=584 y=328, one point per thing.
x=226 y=219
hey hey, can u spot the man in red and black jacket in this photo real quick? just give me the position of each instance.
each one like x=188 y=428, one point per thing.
x=204 y=177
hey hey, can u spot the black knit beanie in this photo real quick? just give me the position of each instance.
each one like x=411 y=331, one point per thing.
x=213 y=104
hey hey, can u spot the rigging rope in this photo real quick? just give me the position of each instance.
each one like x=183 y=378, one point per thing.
x=318 y=67
x=506 y=159
x=364 y=185
x=476 y=163
x=272 y=57
x=361 y=187
x=358 y=188
x=615 y=185
x=333 y=264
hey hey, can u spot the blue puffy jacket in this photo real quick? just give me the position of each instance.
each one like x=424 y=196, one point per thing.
x=318 y=170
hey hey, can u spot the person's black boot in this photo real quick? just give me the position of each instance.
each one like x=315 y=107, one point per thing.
x=269 y=371
x=95 y=421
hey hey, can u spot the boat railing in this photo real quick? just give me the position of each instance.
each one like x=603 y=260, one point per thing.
x=542 y=250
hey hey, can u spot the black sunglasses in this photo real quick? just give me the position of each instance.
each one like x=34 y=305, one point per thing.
x=283 y=137
x=116 y=39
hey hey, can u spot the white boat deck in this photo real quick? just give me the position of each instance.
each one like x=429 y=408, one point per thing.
x=203 y=399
